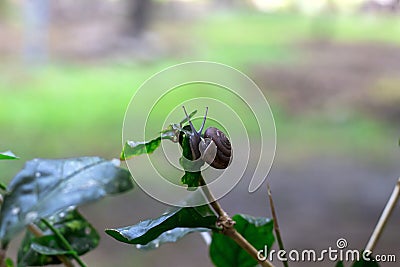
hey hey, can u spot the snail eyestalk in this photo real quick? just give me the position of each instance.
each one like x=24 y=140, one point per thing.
x=188 y=118
x=213 y=141
x=204 y=121
x=215 y=148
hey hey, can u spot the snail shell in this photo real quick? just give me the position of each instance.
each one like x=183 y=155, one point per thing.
x=213 y=147
x=224 y=148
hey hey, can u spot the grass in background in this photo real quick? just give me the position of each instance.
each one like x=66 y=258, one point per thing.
x=72 y=110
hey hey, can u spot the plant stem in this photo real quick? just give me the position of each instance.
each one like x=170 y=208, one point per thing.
x=227 y=225
x=213 y=203
x=38 y=233
x=276 y=225
x=387 y=212
x=2 y=257
x=3 y=249
x=64 y=242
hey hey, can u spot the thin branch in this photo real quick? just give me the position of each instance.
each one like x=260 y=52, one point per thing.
x=64 y=242
x=228 y=229
x=3 y=249
x=214 y=204
x=276 y=225
x=2 y=257
x=37 y=233
x=387 y=212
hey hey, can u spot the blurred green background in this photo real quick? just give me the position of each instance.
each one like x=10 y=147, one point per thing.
x=329 y=69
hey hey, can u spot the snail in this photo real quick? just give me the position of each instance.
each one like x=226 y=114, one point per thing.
x=213 y=147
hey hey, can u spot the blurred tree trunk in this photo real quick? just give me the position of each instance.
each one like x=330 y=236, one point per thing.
x=36 y=27
x=138 y=16
x=396 y=5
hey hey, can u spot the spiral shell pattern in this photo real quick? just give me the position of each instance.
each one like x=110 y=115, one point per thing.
x=224 y=149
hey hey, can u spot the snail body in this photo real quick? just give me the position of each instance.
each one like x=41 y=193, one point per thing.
x=213 y=147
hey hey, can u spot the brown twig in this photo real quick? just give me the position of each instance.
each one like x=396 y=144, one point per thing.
x=2 y=257
x=387 y=212
x=228 y=224
x=276 y=225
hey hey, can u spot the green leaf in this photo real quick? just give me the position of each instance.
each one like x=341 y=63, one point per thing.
x=170 y=236
x=79 y=233
x=9 y=262
x=191 y=179
x=3 y=186
x=224 y=252
x=48 y=251
x=7 y=155
x=132 y=149
x=46 y=186
x=148 y=230
x=339 y=264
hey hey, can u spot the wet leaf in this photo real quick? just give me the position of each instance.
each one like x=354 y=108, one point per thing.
x=46 y=186
x=132 y=149
x=170 y=236
x=48 y=251
x=224 y=252
x=80 y=234
x=148 y=230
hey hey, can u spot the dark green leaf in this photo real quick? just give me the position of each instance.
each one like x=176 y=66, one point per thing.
x=191 y=179
x=7 y=155
x=184 y=141
x=224 y=252
x=79 y=233
x=146 y=231
x=132 y=148
x=47 y=186
x=170 y=236
x=339 y=264
x=3 y=186
x=48 y=251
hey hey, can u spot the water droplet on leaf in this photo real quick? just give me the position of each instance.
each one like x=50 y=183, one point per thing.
x=15 y=210
x=31 y=216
